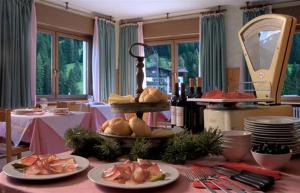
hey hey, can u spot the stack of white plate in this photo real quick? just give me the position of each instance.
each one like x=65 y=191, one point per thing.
x=275 y=129
x=236 y=144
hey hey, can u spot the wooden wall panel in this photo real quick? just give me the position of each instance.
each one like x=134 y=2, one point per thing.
x=233 y=79
x=57 y=18
x=172 y=28
x=293 y=11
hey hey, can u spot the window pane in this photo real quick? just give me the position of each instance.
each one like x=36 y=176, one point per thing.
x=292 y=79
x=187 y=61
x=43 y=63
x=158 y=68
x=72 y=66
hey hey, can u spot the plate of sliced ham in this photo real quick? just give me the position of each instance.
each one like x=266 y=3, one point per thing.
x=45 y=167
x=133 y=175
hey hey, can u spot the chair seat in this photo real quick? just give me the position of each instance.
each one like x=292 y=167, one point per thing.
x=8 y=148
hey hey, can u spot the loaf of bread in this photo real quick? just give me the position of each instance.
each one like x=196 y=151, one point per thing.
x=117 y=99
x=152 y=94
x=117 y=126
x=162 y=133
x=139 y=127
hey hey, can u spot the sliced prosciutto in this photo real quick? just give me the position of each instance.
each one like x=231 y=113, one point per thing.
x=47 y=164
x=218 y=94
x=129 y=172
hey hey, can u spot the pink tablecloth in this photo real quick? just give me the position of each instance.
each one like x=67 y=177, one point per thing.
x=45 y=132
x=80 y=183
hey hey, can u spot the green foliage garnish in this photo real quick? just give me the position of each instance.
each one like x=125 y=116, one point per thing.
x=79 y=138
x=208 y=142
x=140 y=149
x=187 y=146
x=88 y=143
x=177 y=149
x=108 y=150
x=19 y=166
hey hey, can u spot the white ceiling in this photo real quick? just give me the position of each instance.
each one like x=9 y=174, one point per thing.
x=127 y=9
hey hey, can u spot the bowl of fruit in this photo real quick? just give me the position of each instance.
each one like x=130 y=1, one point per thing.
x=271 y=156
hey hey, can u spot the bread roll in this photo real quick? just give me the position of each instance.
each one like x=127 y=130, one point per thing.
x=120 y=126
x=105 y=125
x=162 y=133
x=152 y=94
x=109 y=131
x=139 y=127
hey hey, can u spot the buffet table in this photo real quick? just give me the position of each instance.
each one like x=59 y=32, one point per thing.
x=45 y=131
x=80 y=183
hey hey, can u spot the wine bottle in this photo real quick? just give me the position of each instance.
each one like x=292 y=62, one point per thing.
x=199 y=110
x=181 y=108
x=191 y=88
x=189 y=106
x=174 y=99
x=198 y=87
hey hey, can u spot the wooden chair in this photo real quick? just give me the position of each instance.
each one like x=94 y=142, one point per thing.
x=7 y=149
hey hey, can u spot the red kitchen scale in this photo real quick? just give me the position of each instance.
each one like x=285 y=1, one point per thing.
x=266 y=43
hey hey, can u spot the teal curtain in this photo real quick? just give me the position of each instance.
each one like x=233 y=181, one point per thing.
x=248 y=15
x=107 y=58
x=213 y=52
x=15 y=18
x=127 y=63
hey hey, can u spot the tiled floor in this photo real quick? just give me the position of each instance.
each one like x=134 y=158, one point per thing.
x=3 y=161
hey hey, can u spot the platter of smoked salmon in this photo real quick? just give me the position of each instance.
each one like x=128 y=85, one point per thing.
x=138 y=174
x=45 y=167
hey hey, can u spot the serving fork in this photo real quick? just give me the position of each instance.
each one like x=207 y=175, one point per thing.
x=209 y=174
x=198 y=175
x=191 y=177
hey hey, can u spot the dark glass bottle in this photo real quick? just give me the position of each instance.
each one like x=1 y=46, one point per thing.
x=174 y=99
x=191 y=88
x=181 y=108
x=198 y=87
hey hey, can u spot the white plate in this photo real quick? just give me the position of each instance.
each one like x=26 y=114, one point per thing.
x=272 y=120
x=10 y=171
x=95 y=175
x=210 y=100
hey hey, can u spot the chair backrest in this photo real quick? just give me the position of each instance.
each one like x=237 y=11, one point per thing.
x=5 y=116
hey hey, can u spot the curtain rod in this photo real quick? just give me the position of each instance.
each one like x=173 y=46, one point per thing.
x=127 y=21
x=106 y=17
x=248 y=6
x=219 y=10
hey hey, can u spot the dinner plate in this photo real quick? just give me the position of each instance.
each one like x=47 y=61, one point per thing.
x=273 y=120
x=95 y=175
x=10 y=171
x=22 y=111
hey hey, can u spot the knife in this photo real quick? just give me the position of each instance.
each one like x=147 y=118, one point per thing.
x=249 y=181
x=258 y=177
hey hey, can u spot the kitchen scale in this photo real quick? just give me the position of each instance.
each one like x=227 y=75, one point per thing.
x=266 y=43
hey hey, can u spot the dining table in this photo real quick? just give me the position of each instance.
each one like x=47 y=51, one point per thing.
x=44 y=131
x=289 y=182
